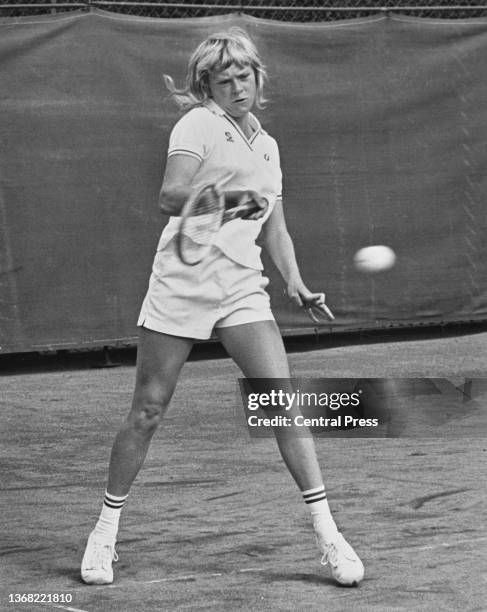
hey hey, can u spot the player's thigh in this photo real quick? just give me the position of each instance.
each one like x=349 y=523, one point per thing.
x=257 y=348
x=160 y=358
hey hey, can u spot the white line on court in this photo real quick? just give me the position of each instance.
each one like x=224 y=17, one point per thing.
x=451 y=544
x=432 y=546
x=60 y=607
x=184 y=577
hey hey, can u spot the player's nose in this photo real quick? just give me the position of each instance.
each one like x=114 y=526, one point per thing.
x=237 y=87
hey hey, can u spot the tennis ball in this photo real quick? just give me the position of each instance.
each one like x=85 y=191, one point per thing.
x=372 y=259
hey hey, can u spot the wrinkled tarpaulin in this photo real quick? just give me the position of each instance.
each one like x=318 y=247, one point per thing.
x=382 y=125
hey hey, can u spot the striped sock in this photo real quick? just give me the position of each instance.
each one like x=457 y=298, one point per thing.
x=107 y=525
x=320 y=511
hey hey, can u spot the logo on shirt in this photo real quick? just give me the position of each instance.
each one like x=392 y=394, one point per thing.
x=267 y=157
x=229 y=137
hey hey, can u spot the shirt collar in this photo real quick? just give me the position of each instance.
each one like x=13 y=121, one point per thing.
x=212 y=106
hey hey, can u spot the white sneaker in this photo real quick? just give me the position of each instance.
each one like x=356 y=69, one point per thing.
x=345 y=565
x=96 y=567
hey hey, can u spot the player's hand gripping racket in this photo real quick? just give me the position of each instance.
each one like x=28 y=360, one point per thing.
x=202 y=216
x=315 y=308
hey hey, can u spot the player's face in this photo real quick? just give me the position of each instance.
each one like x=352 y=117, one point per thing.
x=234 y=89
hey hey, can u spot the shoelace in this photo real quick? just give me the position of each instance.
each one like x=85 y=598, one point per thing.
x=332 y=552
x=330 y=555
x=105 y=553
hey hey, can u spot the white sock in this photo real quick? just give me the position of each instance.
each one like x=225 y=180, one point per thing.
x=107 y=525
x=317 y=503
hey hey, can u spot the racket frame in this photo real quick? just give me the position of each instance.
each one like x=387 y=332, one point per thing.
x=225 y=215
x=189 y=207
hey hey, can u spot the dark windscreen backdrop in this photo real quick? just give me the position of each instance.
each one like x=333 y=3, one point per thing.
x=382 y=127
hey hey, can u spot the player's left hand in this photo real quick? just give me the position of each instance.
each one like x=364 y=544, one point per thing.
x=313 y=303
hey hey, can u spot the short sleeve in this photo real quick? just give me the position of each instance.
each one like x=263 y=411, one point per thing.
x=191 y=136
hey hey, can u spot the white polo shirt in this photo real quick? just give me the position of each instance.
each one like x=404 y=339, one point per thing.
x=212 y=137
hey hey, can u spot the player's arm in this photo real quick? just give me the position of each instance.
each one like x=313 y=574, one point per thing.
x=279 y=245
x=176 y=185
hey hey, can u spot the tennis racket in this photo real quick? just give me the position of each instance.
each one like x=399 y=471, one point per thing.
x=201 y=218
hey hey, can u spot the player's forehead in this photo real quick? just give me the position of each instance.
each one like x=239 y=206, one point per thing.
x=230 y=71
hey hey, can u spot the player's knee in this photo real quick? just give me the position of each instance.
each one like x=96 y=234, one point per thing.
x=148 y=410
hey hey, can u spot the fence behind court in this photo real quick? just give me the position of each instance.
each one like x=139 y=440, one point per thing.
x=382 y=128
x=285 y=10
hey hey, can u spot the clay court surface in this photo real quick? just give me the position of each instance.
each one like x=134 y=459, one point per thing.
x=214 y=521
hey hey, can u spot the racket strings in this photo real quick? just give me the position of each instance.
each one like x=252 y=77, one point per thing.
x=200 y=224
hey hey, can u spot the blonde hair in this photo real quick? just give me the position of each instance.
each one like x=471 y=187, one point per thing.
x=217 y=53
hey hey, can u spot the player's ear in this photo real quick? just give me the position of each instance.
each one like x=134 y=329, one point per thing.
x=205 y=86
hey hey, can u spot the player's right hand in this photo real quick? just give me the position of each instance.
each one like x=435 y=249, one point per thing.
x=257 y=204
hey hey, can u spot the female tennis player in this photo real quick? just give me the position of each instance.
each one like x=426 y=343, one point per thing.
x=217 y=136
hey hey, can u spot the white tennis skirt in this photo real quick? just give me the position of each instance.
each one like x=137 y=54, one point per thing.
x=190 y=301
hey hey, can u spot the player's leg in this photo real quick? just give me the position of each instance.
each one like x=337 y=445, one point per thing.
x=258 y=350
x=160 y=358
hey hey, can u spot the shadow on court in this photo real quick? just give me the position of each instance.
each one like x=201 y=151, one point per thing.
x=214 y=521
